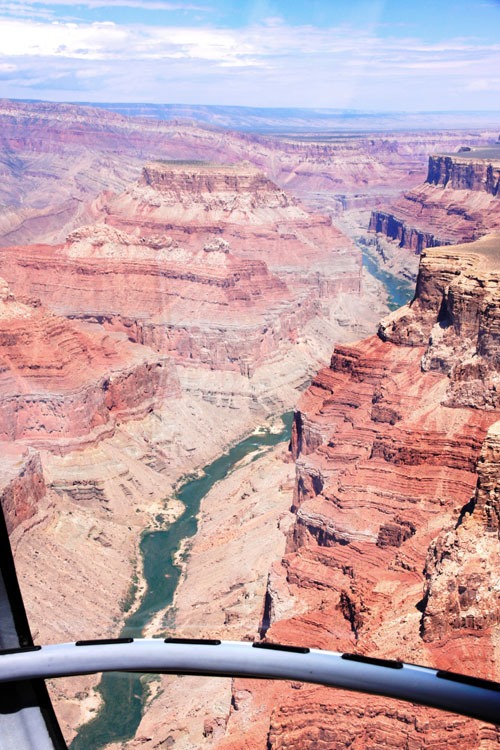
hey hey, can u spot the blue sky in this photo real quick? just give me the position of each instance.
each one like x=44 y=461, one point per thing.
x=364 y=54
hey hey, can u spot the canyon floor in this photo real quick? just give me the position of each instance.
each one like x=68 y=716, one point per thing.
x=192 y=289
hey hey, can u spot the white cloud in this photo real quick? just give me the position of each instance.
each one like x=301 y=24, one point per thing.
x=270 y=63
x=24 y=7
x=484 y=84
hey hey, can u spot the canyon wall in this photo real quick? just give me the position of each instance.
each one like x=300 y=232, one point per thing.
x=211 y=264
x=22 y=484
x=394 y=545
x=458 y=202
x=136 y=352
x=55 y=158
x=62 y=387
x=200 y=203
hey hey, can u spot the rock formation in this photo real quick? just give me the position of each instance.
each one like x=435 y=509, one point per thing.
x=195 y=203
x=459 y=201
x=22 y=483
x=461 y=593
x=180 y=263
x=62 y=386
x=395 y=542
x=55 y=158
x=105 y=329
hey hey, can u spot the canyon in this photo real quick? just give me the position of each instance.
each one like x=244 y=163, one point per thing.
x=169 y=288
x=389 y=546
x=191 y=307
x=56 y=158
x=397 y=461
x=458 y=202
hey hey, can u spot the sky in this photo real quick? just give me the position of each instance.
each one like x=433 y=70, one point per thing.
x=369 y=55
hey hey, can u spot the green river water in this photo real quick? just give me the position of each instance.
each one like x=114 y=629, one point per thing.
x=123 y=694
x=399 y=292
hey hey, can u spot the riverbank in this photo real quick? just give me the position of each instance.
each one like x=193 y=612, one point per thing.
x=350 y=318
x=123 y=695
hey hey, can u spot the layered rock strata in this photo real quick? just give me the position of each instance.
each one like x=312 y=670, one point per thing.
x=213 y=264
x=63 y=387
x=55 y=157
x=202 y=306
x=200 y=203
x=395 y=540
x=459 y=201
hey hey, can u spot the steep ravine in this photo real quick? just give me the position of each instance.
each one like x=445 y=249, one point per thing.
x=395 y=527
x=158 y=548
x=123 y=695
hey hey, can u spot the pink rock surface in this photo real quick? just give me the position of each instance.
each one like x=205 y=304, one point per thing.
x=197 y=203
x=213 y=264
x=395 y=543
x=62 y=386
x=459 y=202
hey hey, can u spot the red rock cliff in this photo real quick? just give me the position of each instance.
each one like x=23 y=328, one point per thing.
x=193 y=202
x=62 y=387
x=22 y=483
x=395 y=542
x=458 y=202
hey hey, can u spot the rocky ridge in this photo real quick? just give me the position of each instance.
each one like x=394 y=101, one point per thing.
x=457 y=203
x=191 y=256
x=197 y=203
x=189 y=304
x=55 y=158
x=395 y=539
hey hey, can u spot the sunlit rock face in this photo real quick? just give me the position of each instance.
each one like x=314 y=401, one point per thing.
x=395 y=544
x=463 y=283
x=213 y=264
x=22 y=484
x=63 y=386
x=458 y=202
x=204 y=306
x=195 y=203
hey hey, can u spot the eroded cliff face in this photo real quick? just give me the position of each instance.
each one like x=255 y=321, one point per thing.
x=462 y=282
x=395 y=542
x=188 y=258
x=189 y=304
x=22 y=483
x=63 y=387
x=197 y=203
x=457 y=203
x=58 y=157
x=461 y=592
